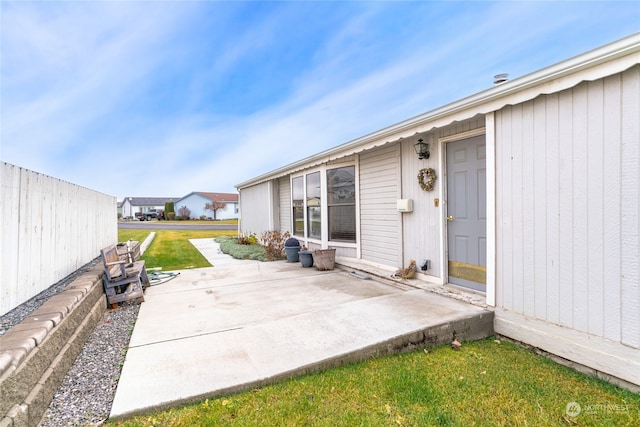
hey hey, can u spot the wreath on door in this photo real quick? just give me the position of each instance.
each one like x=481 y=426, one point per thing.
x=427 y=178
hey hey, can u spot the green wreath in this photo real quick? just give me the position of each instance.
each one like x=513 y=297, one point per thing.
x=426 y=178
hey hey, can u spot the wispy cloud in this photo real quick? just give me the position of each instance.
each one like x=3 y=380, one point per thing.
x=199 y=96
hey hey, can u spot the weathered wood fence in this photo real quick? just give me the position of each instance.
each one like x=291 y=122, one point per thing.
x=49 y=228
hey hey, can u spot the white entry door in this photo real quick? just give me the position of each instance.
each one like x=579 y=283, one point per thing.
x=467 y=212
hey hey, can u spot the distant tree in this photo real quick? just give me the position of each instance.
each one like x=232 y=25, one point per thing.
x=184 y=212
x=169 y=207
x=214 y=207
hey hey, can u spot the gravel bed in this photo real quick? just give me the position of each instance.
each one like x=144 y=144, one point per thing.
x=85 y=396
x=86 y=393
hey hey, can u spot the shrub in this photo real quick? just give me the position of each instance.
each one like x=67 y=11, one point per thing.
x=229 y=245
x=171 y=216
x=169 y=209
x=184 y=212
x=273 y=242
x=250 y=239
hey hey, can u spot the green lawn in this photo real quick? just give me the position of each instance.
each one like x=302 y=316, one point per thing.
x=171 y=249
x=486 y=383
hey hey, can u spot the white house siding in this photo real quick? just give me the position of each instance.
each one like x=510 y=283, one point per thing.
x=422 y=228
x=49 y=229
x=380 y=225
x=285 y=210
x=258 y=212
x=567 y=209
x=196 y=202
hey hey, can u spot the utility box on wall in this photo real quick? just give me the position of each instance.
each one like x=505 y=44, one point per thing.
x=405 y=205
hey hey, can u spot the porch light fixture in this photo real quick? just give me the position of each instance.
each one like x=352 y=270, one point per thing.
x=422 y=149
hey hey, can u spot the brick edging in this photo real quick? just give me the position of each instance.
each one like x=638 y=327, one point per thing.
x=36 y=354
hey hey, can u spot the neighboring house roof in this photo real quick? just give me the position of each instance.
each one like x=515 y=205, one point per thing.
x=150 y=201
x=598 y=63
x=219 y=197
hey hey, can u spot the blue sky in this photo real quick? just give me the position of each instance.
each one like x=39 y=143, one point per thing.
x=164 y=98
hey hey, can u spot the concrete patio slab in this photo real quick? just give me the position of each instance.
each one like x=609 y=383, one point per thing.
x=223 y=329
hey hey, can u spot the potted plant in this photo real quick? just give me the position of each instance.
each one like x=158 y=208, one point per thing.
x=306 y=257
x=291 y=249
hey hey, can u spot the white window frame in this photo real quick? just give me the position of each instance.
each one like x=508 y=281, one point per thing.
x=324 y=207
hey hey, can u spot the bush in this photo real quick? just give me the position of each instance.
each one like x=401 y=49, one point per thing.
x=250 y=239
x=184 y=212
x=171 y=216
x=229 y=245
x=273 y=242
x=291 y=242
x=169 y=209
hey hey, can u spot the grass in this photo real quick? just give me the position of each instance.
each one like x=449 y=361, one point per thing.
x=486 y=383
x=171 y=249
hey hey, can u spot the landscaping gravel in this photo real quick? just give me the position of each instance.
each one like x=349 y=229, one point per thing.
x=86 y=393
x=85 y=396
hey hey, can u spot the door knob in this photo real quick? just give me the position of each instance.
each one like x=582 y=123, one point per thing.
x=449 y=217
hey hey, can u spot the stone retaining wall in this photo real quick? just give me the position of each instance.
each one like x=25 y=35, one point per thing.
x=36 y=354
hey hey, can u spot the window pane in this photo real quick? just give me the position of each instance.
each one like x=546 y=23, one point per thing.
x=313 y=216
x=341 y=201
x=313 y=189
x=313 y=205
x=297 y=194
x=342 y=223
x=341 y=185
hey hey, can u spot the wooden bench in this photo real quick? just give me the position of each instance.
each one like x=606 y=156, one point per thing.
x=129 y=251
x=123 y=280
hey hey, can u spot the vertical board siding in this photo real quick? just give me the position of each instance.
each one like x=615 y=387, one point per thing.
x=380 y=231
x=256 y=209
x=286 y=210
x=568 y=205
x=612 y=196
x=50 y=228
x=423 y=226
x=630 y=170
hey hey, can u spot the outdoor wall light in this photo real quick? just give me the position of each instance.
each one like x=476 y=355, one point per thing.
x=422 y=149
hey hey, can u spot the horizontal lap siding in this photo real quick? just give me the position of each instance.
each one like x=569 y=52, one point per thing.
x=285 y=205
x=567 y=208
x=380 y=232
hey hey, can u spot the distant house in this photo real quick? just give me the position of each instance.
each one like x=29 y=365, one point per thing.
x=131 y=205
x=197 y=200
x=527 y=192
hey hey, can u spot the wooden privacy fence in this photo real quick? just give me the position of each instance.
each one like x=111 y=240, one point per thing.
x=49 y=229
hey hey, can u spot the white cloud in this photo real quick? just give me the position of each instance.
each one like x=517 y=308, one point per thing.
x=83 y=83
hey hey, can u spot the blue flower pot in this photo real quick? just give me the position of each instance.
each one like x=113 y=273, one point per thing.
x=306 y=258
x=292 y=253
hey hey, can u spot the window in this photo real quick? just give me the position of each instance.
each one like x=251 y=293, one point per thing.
x=313 y=205
x=297 y=194
x=316 y=205
x=341 y=201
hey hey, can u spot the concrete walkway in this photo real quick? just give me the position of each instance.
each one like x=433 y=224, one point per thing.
x=242 y=324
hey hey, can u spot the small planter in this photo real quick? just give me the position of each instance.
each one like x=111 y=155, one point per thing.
x=291 y=249
x=324 y=258
x=306 y=258
x=292 y=253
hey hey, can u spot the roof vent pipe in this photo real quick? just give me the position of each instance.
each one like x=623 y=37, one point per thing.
x=500 y=78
